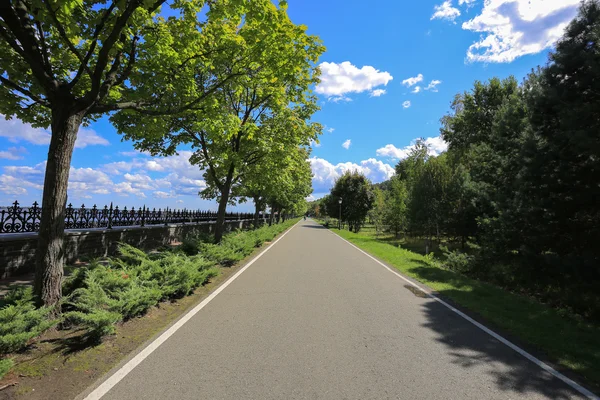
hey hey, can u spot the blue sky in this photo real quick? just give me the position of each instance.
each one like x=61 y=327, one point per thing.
x=376 y=58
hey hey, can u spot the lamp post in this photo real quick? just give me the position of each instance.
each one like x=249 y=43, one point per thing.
x=340 y=220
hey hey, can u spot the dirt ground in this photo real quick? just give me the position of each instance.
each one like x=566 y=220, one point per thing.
x=59 y=366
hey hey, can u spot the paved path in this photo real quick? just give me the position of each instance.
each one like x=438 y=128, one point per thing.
x=314 y=318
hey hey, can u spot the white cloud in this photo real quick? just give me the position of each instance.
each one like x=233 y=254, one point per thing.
x=406 y=104
x=378 y=92
x=469 y=3
x=338 y=80
x=13 y=153
x=325 y=173
x=337 y=99
x=330 y=130
x=16 y=131
x=436 y=146
x=417 y=89
x=141 y=176
x=162 y=195
x=445 y=11
x=433 y=85
x=408 y=82
x=513 y=28
x=347 y=144
x=314 y=143
x=88 y=137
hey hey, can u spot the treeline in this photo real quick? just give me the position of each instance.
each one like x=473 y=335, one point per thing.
x=518 y=191
x=230 y=80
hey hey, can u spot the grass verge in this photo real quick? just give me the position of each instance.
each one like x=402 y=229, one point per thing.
x=568 y=342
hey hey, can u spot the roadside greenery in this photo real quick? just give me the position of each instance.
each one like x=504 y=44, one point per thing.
x=515 y=198
x=570 y=341
x=230 y=79
x=102 y=294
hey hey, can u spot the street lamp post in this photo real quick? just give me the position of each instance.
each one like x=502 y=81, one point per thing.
x=340 y=220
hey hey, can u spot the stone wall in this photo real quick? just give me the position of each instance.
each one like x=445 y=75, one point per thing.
x=17 y=251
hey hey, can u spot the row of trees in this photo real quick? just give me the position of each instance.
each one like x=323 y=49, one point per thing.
x=519 y=187
x=229 y=79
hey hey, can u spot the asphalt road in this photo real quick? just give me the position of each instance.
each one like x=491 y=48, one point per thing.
x=314 y=318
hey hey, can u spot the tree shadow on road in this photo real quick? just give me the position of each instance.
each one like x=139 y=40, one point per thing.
x=471 y=347
x=314 y=226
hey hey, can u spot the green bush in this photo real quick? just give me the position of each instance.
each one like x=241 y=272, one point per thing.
x=97 y=322
x=20 y=321
x=128 y=286
x=457 y=261
x=5 y=366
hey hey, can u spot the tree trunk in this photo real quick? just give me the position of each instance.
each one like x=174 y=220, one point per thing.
x=220 y=224
x=50 y=249
x=271 y=216
x=257 y=207
x=278 y=215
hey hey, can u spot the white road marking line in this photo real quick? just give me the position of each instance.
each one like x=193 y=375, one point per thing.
x=487 y=330
x=135 y=361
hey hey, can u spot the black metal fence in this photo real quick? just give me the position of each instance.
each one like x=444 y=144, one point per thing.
x=16 y=219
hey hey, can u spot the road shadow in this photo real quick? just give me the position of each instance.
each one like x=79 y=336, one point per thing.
x=314 y=226
x=471 y=347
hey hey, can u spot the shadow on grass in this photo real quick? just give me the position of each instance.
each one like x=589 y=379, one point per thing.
x=75 y=343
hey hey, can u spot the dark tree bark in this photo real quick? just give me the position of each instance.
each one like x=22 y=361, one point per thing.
x=225 y=193
x=50 y=250
x=271 y=215
x=257 y=208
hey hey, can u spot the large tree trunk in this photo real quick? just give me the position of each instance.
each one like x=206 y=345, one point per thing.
x=257 y=207
x=50 y=249
x=271 y=216
x=220 y=224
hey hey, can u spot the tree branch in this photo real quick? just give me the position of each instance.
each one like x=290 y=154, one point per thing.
x=211 y=168
x=19 y=24
x=140 y=106
x=83 y=66
x=107 y=45
x=63 y=33
x=26 y=92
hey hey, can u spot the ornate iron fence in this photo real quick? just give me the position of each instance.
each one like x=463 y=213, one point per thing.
x=16 y=219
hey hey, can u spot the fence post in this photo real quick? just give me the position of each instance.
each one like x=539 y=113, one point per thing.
x=144 y=215
x=110 y=216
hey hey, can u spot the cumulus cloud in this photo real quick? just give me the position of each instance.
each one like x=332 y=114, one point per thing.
x=347 y=144
x=445 y=11
x=378 y=92
x=417 y=89
x=408 y=82
x=172 y=175
x=338 y=80
x=16 y=131
x=433 y=85
x=513 y=28
x=325 y=173
x=406 y=104
x=436 y=146
x=88 y=137
x=13 y=153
